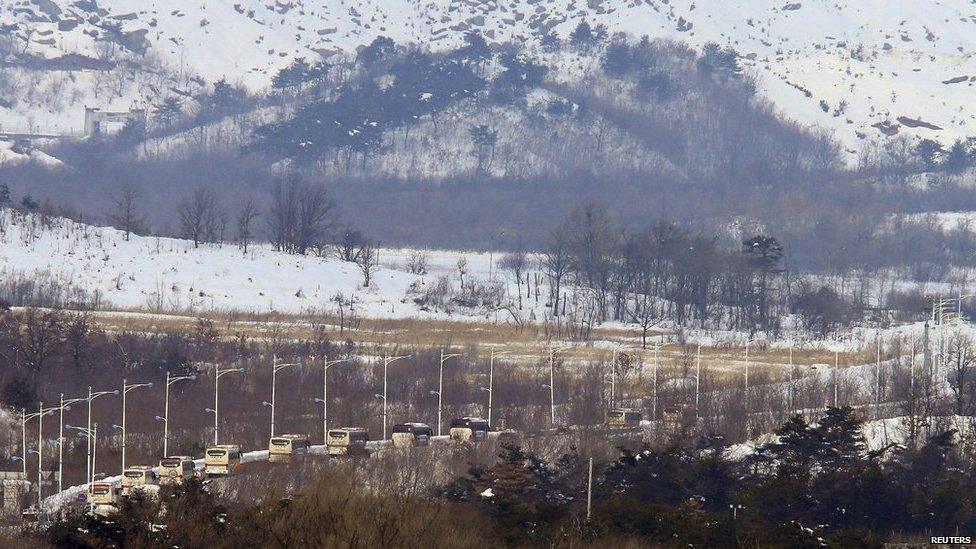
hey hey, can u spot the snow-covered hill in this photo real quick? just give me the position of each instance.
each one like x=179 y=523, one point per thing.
x=166 y=274
x=867 y=68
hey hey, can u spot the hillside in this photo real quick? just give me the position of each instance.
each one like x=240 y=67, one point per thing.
x=54 y=261
x=864 y=69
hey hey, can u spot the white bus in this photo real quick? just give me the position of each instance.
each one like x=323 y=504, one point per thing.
x=283 y=448
x=176 y=469
x=347 y=441
x=623 y=418
x=134 y=478
x=469 y=429
x=103 y=493
x=223 y=459
x=411 y=434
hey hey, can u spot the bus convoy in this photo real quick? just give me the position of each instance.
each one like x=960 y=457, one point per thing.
x=225 y=459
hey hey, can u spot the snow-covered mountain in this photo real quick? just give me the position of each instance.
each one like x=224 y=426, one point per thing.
x=866 y=68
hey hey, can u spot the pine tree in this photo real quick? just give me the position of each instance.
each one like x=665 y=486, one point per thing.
x=839 y=440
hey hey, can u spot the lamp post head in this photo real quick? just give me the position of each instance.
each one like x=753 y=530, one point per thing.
x=265 y=403
x=433 y=393
x=160 y=418
x=377 y=395
x=319 y=400
x=211 y=410
x=119 y=427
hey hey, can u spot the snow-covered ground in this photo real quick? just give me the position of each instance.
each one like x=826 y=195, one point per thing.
x=10 y=154
x=170 y=275
x=878 y=434
x=867 y=68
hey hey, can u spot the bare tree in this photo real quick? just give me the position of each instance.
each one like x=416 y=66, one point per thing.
x=367 y=258
x=125 y=213
x=200 y=217
x=462 y=267
x=417 y=262
x=962 y=360
x=245 y=218
x=301 y=216
x=555 y=261
x=348 y=244
x=517 y=262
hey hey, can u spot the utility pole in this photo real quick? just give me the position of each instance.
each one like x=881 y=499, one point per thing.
x=325 y=398
x=792 y=381
x=91 y=454
x=877 y=387
x=745 y=397
x=654 y=399
x=386 y=366
x=836 y=368
x=169 y=381
x=698 y=382
x=589 y=492
x=126 y=387
x=491 y=379
x=218 y=372
x=552 y=389
x=613 y=379
x=64 y=405
x=274 y=377
x=440 y=389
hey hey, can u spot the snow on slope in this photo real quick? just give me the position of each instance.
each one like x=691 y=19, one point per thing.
x=169 y=274
x=876 y=67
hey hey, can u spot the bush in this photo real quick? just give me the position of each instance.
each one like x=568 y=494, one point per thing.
x=19 y=393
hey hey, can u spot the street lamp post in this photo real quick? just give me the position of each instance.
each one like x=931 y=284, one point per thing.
x=657 y=347
x=274 y=376
x=440 y=391
x=126 y=387
x=325 y=397
x=613 y=379
x=218 y=373
x=698 y=381
x=877 y=379
x=745 y=396
x=92 y=436
x=552 y=385
x=64 y=405
x=386 y=365
x=169 y=381
x=491 y=379
x=39 y=414
x=90 y=457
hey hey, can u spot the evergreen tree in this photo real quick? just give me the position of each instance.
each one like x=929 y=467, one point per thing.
x=379 y=50
x=582 y=36
x=28 y=203
x=618 y=59
x=550 y=42
x=929 y=152
x=4 y=195
x=839 y=440
x=957 y=159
